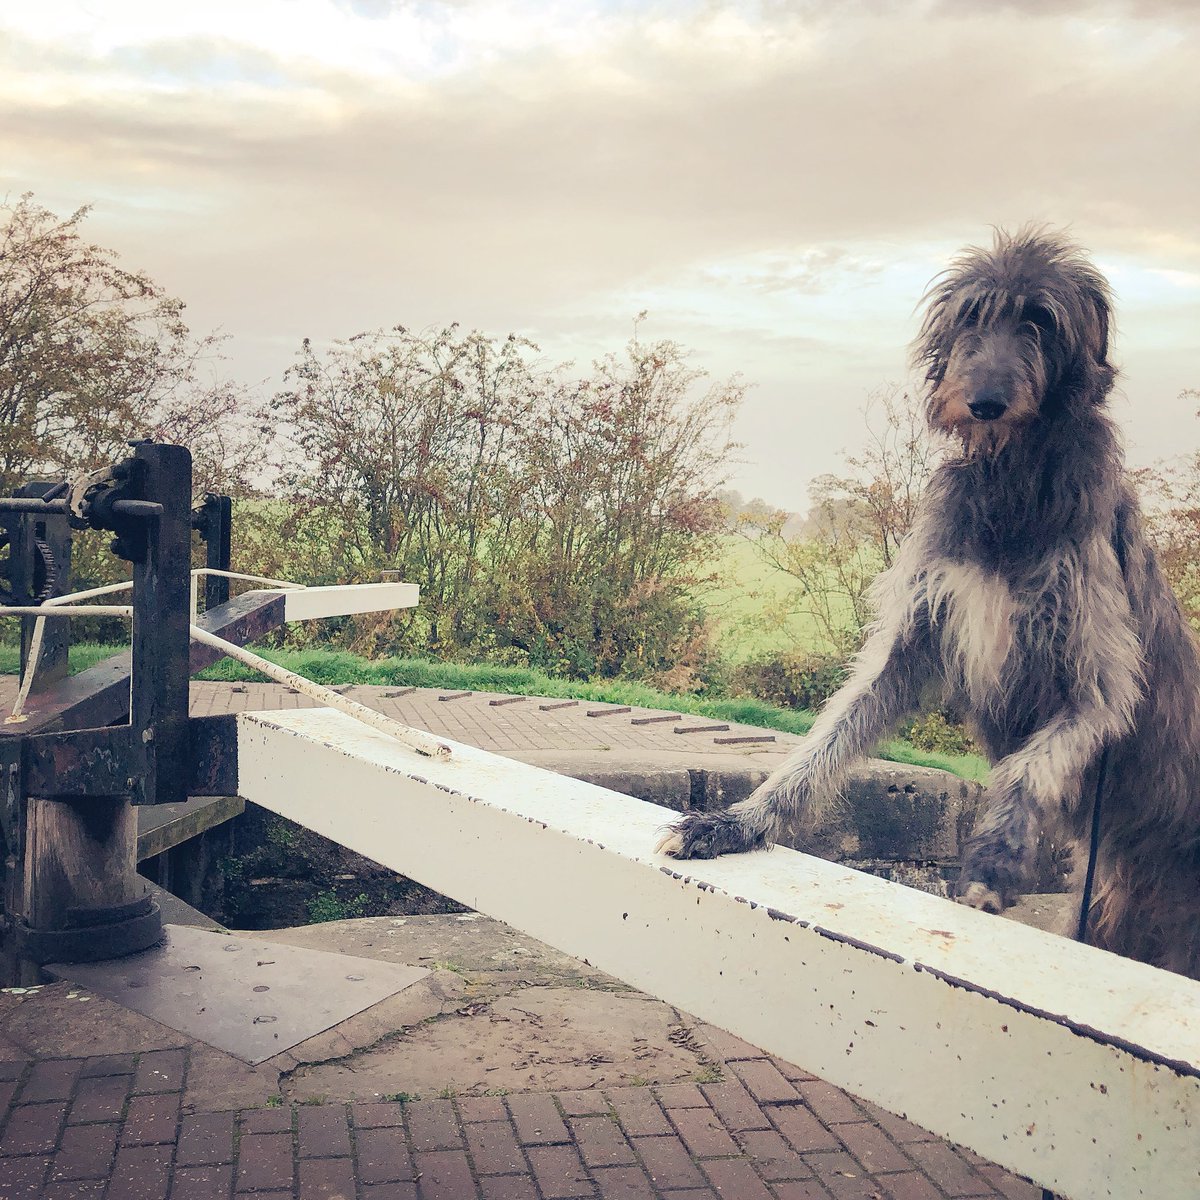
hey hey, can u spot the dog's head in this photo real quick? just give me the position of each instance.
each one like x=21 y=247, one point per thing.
x=1012 y=333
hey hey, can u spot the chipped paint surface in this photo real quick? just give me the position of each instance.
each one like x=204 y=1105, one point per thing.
x=1072 y=1066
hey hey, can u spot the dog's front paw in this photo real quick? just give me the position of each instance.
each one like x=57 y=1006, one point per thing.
x=992 y=874
x=708 y=835
x=997 y=861
x=979 y=895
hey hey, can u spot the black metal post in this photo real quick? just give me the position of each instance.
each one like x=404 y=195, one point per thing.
x=161 y=606
x=80 y=894
x=40 y=567
x=214 y=520
x=71 y=772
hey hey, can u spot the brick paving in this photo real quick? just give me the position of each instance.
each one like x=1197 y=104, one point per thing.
x=112 y=1127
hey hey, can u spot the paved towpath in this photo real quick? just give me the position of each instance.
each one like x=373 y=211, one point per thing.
x=113 y=1127
x=508 y=724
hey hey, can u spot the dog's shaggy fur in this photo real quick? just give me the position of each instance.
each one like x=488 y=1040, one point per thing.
x=1028 y=589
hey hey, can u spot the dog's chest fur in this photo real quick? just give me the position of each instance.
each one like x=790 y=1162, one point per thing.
x=976 y=620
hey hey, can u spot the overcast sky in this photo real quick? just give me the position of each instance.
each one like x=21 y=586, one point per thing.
x=774 y=182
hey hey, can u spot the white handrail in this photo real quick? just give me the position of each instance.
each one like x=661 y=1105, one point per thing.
x=35 y=642
x=414 y=739
x=275 y=583
x=71 y=598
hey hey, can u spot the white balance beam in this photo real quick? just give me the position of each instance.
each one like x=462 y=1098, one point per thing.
x=1074 y=1067
x=344 y=600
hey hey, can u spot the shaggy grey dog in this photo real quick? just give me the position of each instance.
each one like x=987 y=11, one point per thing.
x=1027 y=589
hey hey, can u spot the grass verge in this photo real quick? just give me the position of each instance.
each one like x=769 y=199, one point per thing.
x=333 y=667
x=82 y=656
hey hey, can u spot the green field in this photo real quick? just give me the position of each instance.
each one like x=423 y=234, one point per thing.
x=745 y=599
x=754 y=606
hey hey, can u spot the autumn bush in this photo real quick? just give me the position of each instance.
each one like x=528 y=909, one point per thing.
x=938 y=731
x=550 y=518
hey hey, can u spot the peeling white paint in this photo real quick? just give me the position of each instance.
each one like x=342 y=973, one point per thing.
x=1063 y=1063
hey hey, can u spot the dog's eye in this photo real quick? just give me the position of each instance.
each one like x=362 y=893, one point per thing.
x=1039 y=317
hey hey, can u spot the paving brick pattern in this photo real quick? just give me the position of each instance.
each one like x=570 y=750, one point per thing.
x=112 y=1128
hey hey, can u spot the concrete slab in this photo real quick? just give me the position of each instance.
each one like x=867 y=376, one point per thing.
x=251 y=998
x=532 y=1039
x=468 y=944
x=178 y=912
x=494 y=1011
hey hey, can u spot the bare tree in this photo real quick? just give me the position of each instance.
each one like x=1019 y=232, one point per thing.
x=855 y=524
x=92 y=353
x=1171 y=493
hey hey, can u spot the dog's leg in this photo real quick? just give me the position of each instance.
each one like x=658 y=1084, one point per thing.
x=885 y=684
x=1027 y=789
x=1041 y=779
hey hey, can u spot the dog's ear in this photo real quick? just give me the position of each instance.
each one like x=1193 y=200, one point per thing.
x=1094 y=335
x=1096 y=328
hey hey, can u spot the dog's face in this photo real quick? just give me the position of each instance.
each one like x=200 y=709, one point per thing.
x=1011 y=334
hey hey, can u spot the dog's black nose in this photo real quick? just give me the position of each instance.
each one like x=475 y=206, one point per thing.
x=987 y=406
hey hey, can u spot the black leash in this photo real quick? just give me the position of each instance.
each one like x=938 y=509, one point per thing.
x=1085 y=906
